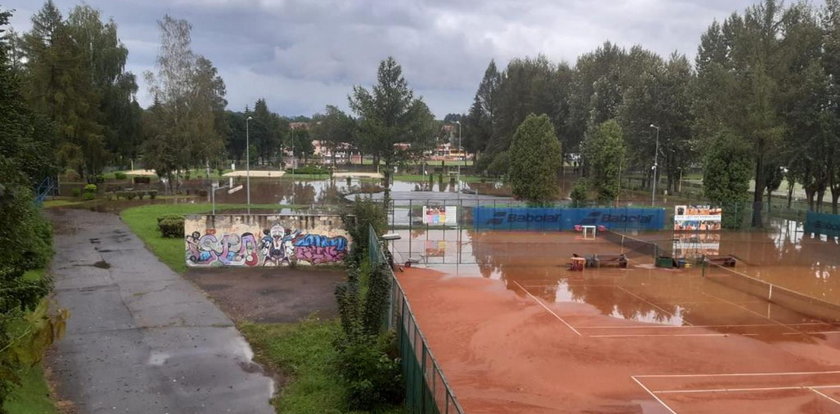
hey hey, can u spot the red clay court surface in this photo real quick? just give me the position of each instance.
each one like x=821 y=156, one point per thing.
x=516 y=332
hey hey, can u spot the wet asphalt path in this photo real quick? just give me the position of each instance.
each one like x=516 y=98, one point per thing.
x=141 y=339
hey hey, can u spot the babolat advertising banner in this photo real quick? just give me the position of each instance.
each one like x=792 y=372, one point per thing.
x=819 y=223
x=490 y=218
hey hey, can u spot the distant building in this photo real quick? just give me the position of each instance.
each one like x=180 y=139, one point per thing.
x=299 y=125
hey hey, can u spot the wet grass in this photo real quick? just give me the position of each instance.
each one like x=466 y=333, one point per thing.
x=142 y=221
x=32 y=396
x=61 y=203
x=425 y=178
x=303 y=353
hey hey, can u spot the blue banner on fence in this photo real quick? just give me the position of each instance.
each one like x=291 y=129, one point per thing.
x=827 y=224
x=490 y=218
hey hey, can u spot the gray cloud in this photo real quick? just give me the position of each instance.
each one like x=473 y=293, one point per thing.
x=303 y=54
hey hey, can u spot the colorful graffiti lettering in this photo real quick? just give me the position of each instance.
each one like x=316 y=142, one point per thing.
x=318 y=249
x=230 y=250
x=278 y=246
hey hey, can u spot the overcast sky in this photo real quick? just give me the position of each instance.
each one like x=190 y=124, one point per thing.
x=303 y=54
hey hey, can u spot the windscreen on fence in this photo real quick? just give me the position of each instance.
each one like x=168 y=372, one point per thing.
x=427 y=391
x=548 y=219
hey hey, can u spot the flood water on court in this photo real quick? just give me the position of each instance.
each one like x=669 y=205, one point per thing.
x=538 y=263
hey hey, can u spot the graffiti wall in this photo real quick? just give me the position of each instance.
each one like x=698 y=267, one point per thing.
x=264 y=240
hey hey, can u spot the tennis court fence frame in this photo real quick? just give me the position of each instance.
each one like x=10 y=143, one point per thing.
x=426 y=388
x=779 y=295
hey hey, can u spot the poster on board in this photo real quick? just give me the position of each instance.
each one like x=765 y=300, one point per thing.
x=693 y=245
x=697 y=218
x=440 y=216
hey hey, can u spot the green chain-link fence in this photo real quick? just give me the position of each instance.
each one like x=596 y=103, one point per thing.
x=427 y=391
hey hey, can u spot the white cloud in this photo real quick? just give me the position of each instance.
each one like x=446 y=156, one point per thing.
x=301 y=55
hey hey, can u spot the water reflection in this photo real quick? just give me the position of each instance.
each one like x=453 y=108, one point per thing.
x=783 y=256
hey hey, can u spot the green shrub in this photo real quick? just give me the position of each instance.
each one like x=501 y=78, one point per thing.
x=140 y=194
x=310 y=169
x=370 y=368
x=119 y=175
x=89 y=192
x=129 y=195
x=500 y=165
x=579 y=193
x=76 y=192
x=367 y=361
x=357 y=218
x=152 y=194
x=171 y=226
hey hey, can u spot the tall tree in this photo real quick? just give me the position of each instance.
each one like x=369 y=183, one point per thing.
x=480 y=122
x=391 y=115
x=726 y=173
x=603 y=155
x=61 y=88
x=186 y=119
x=333 y=129
x=741 y=65
x=103 y=57
x=535 y=159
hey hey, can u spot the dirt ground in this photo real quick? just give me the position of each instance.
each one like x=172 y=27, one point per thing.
x=516 y=332
x=270 y=294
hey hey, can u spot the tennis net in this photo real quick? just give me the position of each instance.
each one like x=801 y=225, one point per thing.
x=631 y=246
x=779 y=295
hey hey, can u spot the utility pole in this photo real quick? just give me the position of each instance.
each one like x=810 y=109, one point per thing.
x=248 y=164
x=655 y=167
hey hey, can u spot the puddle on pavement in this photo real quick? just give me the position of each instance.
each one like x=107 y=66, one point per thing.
x=102 y=264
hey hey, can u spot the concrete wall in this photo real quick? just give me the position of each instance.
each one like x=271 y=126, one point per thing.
x=264 y=240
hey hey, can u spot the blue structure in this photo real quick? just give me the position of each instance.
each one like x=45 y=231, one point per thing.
x=555 y=219
x=819 y=223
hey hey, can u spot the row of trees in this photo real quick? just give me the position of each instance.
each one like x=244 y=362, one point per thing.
x=762 y=94
x=72 y=74
x=25 y=141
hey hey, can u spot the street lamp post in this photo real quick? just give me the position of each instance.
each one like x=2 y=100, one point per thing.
x=460 y=152
x=655 y=167
x=248 y=164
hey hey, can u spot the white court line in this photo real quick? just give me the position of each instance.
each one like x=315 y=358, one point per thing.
x=549 y=310
x=826 y=396
x=748 y=389
x=653 y=395
x=743 y=374
x=701 y=326
x=811 y=333
x=752 y=311
x=668 y=335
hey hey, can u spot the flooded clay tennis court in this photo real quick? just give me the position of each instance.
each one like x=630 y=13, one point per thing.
x=516 y=331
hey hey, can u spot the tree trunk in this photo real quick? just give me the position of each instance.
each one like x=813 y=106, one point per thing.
x=835 y=196
x=386 y=199
x=809 y=194
x=820 y=196
x=759 y=190
x=769 y=200
x=790 y=193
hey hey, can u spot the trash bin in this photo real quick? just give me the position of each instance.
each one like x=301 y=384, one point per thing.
x=665 y=261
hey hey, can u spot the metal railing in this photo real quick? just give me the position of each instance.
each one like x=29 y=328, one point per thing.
x=427 y=390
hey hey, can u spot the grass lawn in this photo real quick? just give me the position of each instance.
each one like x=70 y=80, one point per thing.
x=61 y=203
x=304 y=353
x=32 y=396
x=142 y=221
x=425 y=178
